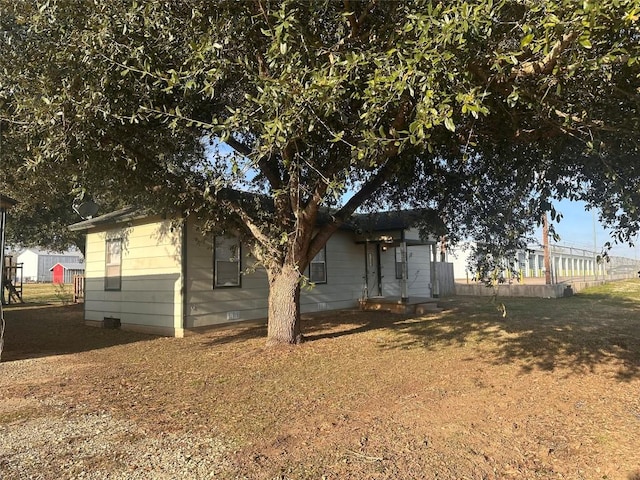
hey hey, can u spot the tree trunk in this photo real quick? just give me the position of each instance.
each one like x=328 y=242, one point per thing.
x=284 y=307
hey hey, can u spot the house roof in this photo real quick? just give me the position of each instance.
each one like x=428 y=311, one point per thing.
x=368 y=222
x=123 y=215
x=41 y=251
x=69 y=266
x=396 y=220
x=6 y=202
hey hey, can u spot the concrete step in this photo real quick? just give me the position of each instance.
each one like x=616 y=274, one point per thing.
x=427 y=308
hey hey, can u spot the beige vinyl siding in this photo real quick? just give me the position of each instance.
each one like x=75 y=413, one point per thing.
x=210 y=306
x=345 y=276
x=207 y=305
x=414 y=234
x=150 y=296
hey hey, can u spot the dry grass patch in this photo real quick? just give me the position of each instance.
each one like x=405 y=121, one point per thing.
x=47 y=293
x=549 y=391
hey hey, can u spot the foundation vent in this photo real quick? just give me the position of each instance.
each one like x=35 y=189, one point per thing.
x=111 y=322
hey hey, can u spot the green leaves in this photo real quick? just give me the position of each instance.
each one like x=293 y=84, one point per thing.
x=526 y=40
x=448 y=122
x=319 y=99
x=585 y=40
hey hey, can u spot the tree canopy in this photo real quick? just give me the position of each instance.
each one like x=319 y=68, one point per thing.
x=484 y=110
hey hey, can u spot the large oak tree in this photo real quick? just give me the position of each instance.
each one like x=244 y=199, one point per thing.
x=484 y=110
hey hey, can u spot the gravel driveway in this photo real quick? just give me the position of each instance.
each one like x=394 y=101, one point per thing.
x=48 y=439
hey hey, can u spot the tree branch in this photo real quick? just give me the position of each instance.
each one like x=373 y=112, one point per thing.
x=341 y=216
x=268 y=167
x=15 y=122
x=255 y=230
x=294 y=176
x=239 y=147
x=546 y=65
x=353 y=20
x=400 y=121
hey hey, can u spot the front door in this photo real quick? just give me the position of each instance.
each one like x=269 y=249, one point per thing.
x=373 y=275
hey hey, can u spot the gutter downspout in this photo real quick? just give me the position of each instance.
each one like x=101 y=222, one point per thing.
x=404 y=294
x=183 y=275
x=365 y=290
x=379 y=267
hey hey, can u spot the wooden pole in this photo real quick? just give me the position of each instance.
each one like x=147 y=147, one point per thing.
x=545 y=246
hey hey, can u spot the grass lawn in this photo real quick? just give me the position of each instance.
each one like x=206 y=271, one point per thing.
x=551 y=390
x=47 y=293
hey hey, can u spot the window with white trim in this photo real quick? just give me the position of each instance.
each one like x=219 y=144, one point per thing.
x=113 y=264
x=226 y=261
x=318 y=267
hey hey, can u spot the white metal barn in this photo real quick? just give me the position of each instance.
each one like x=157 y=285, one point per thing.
x=37 y=264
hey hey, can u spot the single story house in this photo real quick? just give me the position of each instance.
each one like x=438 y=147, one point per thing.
x=160 y=275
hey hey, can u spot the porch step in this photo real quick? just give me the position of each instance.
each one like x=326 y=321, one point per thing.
x=370 y=306
x=427 y=308
x=422 y=306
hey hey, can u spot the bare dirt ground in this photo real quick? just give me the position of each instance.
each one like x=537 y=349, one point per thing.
x=551 y=390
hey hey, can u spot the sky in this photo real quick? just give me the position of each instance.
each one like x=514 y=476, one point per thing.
x=576 y=229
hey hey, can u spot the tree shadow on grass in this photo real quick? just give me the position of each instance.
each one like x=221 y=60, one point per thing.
x=576 y=334
x=235 y=333
x=315 y=326
x=34 y=331
x=348 y=322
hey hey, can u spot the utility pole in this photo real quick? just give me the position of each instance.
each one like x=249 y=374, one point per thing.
x=595 y=246
x=545 y=246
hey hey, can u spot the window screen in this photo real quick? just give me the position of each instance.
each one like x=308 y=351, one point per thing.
x=113 y=264
x=226 y=260
x=318 y=267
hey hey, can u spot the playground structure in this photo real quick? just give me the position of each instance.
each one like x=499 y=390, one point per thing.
x=11 y=281
x=8 y=274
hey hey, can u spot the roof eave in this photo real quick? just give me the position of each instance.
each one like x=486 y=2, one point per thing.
x=6 y=202
x=126 y=214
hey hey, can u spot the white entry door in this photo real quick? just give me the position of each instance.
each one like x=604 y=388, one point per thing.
x=373 y=274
